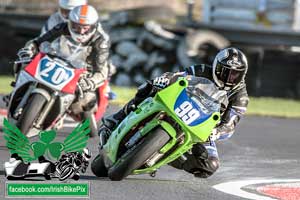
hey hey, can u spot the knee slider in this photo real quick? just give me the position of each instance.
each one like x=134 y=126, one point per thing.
x=213 y=164
x=208 y=168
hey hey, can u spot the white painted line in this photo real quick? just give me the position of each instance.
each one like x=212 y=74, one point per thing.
x=234 y=187
x=70 y=125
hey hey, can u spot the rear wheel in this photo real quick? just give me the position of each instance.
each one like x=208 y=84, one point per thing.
x=98 y=167
x=31 y=111
x=200 y=47
x=137 y=156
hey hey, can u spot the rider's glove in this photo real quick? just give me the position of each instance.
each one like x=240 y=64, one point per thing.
x=215 y=135
x=28 y=51
x=85 y=84
x=161 y=82
x=222 y=132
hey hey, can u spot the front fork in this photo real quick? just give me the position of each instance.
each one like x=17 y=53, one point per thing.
x=46 y=109
x=19 y=109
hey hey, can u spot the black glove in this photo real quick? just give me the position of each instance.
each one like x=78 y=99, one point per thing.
x=85 y=84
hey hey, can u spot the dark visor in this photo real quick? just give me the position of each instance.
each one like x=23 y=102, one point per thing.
x=228 y=75
x=82 y=29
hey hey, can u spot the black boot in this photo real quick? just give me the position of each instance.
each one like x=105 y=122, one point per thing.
x=111 y=122
x=108 y=125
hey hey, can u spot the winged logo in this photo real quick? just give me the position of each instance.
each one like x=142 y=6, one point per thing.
x=18 y=143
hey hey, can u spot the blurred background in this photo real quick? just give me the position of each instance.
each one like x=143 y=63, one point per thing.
x=151 y=37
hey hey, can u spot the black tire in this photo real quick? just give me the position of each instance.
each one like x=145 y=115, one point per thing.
x=47 y=176
x=31 y=111
x=152 y=143
x=98 y=167
x=200 y=47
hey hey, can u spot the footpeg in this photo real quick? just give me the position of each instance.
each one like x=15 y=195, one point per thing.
x=153 y=174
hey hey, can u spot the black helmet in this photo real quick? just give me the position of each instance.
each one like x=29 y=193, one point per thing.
x=229 y=67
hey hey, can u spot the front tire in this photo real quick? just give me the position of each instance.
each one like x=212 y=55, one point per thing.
x=151 y=144
x=31 y=112
x=98 y=167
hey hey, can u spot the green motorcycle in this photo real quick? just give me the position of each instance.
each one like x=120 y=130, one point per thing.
x=161 y=129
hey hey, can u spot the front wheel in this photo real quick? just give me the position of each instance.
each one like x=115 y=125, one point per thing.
x=31 y=112
x=98 y=167
x=149 y=145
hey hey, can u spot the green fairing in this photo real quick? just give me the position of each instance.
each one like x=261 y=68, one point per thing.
x=163 y=101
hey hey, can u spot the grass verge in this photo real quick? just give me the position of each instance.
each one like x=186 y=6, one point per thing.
x=262 y=106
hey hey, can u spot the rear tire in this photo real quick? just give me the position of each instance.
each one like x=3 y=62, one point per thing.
x=152 y=143
x=98 y=167
x=200 y=47
x=30 y=113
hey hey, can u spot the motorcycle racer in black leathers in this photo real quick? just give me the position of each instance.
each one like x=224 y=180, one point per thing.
x=228 y=73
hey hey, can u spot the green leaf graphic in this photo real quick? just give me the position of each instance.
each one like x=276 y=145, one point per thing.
x=38 y=148
x=55 y=149
x=47 y=136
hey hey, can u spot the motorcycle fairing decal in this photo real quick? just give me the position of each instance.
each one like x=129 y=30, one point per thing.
x=71 y=86
x=31 y=68
x=53 y=73
x=103 y=100
x=188 y=111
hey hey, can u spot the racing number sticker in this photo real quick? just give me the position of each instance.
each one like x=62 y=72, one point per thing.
x=57 y=74
x=187 y=113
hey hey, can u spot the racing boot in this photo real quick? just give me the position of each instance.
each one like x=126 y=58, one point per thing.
x=111 y=122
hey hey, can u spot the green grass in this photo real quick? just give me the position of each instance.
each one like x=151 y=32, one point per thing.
x=124 y=94
x=275 y=107
x=5 y=84
x=262 y=106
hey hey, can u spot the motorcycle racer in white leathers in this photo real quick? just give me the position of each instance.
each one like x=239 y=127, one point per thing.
x=65 y=6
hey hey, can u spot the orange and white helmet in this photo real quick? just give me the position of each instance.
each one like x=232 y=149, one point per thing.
x=82 y=23
x=65 y=6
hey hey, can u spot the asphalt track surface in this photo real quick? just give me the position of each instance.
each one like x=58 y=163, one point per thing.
x=263 y=152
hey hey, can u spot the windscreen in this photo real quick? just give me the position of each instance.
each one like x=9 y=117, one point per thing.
x=205 y=94
x=64 y=47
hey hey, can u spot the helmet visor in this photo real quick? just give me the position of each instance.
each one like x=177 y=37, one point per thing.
x=82 y=29
x=228 y=75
